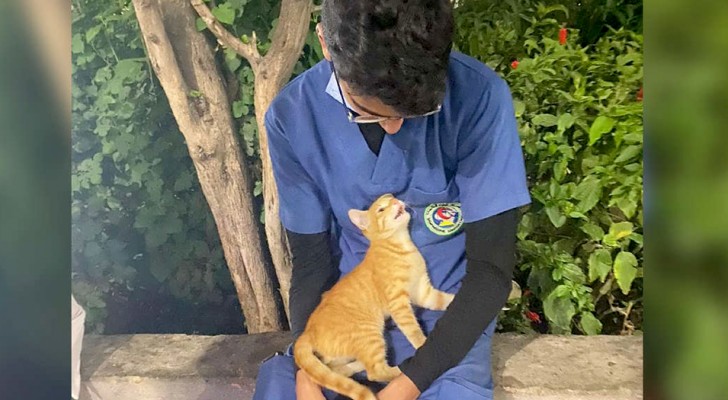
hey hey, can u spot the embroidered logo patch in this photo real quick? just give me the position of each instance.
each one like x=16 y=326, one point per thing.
x=443 y=218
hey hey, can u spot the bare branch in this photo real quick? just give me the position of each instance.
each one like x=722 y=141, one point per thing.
x=249 y=51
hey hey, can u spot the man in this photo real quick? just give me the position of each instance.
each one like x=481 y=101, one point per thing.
x=393 y=110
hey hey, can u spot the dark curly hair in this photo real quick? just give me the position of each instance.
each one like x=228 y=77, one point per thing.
x=394 y=50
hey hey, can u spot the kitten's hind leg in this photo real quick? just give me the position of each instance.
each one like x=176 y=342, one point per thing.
x=425 y=295
x=373 y=357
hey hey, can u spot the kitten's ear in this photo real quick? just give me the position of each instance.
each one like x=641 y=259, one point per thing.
x=359 y=218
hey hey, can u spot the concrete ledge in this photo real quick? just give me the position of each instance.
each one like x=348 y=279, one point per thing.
x=525 y=367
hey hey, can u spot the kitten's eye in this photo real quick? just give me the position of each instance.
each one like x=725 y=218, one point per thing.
x=380 y=209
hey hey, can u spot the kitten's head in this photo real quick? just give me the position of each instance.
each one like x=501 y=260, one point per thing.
x=386 y=217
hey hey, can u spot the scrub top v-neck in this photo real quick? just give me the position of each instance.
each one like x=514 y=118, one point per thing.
x=373 y=136
x=462 y=164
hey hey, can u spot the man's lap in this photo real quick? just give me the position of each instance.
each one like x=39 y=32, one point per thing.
x=469 y=380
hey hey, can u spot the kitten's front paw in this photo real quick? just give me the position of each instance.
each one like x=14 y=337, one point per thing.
x=418 y=341
x=447 y=299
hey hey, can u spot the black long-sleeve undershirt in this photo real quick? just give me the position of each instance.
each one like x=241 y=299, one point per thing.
x=314 y=272
x=490 y=248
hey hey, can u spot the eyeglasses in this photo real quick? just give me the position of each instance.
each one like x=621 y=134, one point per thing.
x=354 y=117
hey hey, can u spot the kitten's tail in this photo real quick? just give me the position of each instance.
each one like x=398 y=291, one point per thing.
x=303 y=353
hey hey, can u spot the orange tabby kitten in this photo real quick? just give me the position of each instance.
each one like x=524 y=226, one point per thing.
x=344 y=335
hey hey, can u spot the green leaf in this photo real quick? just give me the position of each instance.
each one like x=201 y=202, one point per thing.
x=161 y=270
x=128 y=69
x=77 y=44
x=588 y=193
x=600 y=263
x=520 y=107
x=618 y=231
x=559 y=310
x=600 y=126
x=224 y=13
x=565 y=122
x=573 y=273
x=557 y=218
x=237 y=4
x=233 y=63
x=171 y=225
x=155 y=237
x=92 y=32
x=627 y=206
x=258 y=189
x=539 y=280
x=590 y=324
x=634 y=167
x=200 y=24
x=637 y=238
x=560 y=169
x=625 y=270
x=633 y=138
x=183 y=182
x=594 y=231
x=629 y=153
x=239 y=109
x=525 y=227
x=554 y=189
x=546 y=120
x=92 y=250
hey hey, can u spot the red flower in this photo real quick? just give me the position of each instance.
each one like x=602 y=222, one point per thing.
x=514 y=64
x=563 y=33
x=640 y=95
x=534 y=317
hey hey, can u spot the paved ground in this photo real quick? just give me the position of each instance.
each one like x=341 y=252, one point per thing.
x=184 y=367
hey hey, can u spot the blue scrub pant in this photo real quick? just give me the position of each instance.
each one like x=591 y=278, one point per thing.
x=469 y=380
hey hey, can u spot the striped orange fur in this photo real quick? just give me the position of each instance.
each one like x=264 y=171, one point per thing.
x=344 y=335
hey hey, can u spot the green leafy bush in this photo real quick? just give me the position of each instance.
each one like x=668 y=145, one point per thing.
x=139 y=217
x=580 y=122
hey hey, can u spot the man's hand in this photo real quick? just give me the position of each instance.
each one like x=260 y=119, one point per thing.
x=306 y=388
x=400 y=388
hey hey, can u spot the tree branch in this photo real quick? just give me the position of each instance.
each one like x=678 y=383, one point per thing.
x=248 y=51
x=160 y=52
x=287 y=39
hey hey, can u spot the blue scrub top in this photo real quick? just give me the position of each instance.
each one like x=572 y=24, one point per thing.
x=462 y=164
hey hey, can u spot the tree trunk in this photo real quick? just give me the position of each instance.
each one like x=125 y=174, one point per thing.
x=271 y=71
x=270 y=75
x=184 y=63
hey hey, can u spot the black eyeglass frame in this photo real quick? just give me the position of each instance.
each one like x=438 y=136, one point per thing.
x=354 y=117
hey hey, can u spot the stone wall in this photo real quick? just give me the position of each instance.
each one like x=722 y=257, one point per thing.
x=184 y=367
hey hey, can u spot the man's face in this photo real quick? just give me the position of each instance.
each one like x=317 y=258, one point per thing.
x=371 y=106
x=364 y=105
